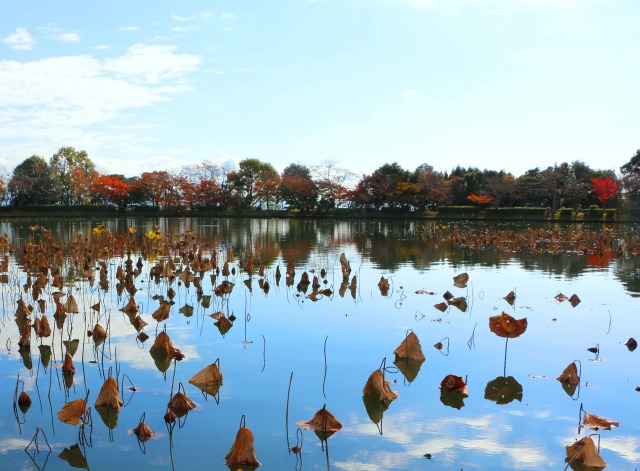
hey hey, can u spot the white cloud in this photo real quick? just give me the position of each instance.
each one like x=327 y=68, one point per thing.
x=21 y=39
x=129 y=28
x=151 y=64
x=101 y=47
x=228 y=16
x=75 y=98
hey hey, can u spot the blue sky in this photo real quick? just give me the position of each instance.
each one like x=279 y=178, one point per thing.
x=498 y=84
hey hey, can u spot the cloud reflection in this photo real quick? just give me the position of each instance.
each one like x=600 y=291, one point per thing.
x=486 y=434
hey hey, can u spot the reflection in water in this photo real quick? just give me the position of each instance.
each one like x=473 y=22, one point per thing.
x=536 y=262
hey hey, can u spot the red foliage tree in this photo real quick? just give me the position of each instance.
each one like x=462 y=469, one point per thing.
x=111 y=189
x=605 y=189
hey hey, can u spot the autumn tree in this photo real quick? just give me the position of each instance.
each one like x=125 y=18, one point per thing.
x=254 y=183
x=72 y=173
x=434 y=187
x=157 y=188
x=606 y=189
x=32 y=183
x=111 y=190
x=464 y=182
x=481 y=200
x=377 y=190
x=297 y=188
x=332 y=183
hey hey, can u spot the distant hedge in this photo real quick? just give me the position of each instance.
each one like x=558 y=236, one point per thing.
x=459 y=210
x=525 y=211
x=54 y=208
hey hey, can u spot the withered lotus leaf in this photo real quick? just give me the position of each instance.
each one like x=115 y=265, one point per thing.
x=109 y=395
x=25 y=335
x=454 y=384
x=208 y=379
x=510 y=298
x=24 y=402
x=143 y=432
x=98 y=333
x=595 y=422
x=71 y=305
x=67 y=365
x=585 y=451
x=162 y=313
x=226 y=287
x=447 y=296
x=45 y=354
x=163 y=344
x=570 y=375
x=131 y=307
x=323 y=421
x=73 y=455
x=377 y=386
x=242 y=452
x=460 y=303
x=180 y=404
x=223 y=324
x=460 y=281
x=561 y=297
x=383 y=285
x=631 y=344
x=408 y=367
x=503 y=325
x=72 y=411
x=574 y=300
x=503 y=390
x=441 y=306
x=41 y=327
x=438 y=346
x=410 y=348
x=96 y=307
x=22 y=310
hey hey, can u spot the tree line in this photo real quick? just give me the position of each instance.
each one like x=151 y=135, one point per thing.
x=69 y=177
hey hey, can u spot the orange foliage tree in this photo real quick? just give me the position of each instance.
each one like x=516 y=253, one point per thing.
x=480 y=200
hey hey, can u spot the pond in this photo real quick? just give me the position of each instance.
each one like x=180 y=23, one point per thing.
x=287 y=354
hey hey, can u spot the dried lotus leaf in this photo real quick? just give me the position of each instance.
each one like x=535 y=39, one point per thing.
x=377 y=386
x=410 y=348
x=72 y=411
x=503 y=325
x=585 y=451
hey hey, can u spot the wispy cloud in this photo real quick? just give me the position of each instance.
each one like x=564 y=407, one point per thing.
x=69 y=37
x=228 y=16
x=51 y=31
x=21 y=40
x=129 y=28
x=184 y=29
x=101 y=47
x=204 y=14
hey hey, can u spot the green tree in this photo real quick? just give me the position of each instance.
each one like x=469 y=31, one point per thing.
x=72 y=171
x=631 y=179
x=32 y=183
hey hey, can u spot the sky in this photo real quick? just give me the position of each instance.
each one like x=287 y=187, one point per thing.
x=155 y=85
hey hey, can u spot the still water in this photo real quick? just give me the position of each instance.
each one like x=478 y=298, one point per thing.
x=287 y=356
